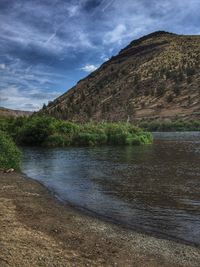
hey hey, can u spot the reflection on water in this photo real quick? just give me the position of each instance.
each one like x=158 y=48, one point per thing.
x=154 y=188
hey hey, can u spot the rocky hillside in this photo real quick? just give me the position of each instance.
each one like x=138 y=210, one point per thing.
x=156 y=76
x=5 y=112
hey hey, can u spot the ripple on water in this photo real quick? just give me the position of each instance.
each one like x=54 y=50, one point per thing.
x=154 y=188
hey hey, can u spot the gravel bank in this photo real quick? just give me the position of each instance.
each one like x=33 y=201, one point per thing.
x=37 y=230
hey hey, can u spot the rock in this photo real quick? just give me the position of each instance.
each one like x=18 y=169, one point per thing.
x=9 y=170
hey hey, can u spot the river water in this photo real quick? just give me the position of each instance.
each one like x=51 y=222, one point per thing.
x=153 y=189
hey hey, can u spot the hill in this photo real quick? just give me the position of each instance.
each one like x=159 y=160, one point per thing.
x=154 y=77
x=5 y=112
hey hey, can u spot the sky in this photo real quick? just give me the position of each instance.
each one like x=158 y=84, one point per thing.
x=47 y=46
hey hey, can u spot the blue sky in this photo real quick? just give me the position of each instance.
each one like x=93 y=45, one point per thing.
x=46 y=46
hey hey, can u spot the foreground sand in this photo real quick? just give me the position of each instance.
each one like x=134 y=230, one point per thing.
x=37 y=230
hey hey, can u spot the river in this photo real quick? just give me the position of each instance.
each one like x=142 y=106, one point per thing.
x=154 y=189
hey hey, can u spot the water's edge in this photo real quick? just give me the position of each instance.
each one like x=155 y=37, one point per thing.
x=106 y=219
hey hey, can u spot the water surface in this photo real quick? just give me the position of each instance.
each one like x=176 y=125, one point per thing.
x=154 y=189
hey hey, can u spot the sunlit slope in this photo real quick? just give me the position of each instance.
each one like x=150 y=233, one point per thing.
x=157 y=76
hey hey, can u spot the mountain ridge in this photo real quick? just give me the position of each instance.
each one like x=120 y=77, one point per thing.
x=5 y=112
x=155 y=76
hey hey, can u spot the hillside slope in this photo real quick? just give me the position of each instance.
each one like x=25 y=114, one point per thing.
x=5 y=112
x=157 y=76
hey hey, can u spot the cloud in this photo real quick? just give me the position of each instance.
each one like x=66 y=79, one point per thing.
x=3 y=99
x=116 y=34
x=2 y=66
x=73 y=10
x=32 y=107
x=104 y=58
x=89 y=68
x=33 y=100
x=106 y=5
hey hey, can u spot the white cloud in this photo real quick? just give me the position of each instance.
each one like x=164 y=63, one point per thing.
x=115 y=35
x=104 y=57
x=83 y=40
x=89 y=68
x=73 y=10
x=2 y=66
x=13 y=97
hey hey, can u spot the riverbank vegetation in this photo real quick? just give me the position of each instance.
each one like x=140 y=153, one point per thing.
x=51 y=132
x=10 y=155
x=170 y=126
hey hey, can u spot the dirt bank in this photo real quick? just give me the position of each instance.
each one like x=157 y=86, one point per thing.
x=37 y=230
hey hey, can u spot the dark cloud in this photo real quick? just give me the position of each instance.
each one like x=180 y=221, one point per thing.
x=6 y=5
x=90 y=5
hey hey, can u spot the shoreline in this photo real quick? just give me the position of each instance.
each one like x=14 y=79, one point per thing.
x=84 y=211
x=36 y=229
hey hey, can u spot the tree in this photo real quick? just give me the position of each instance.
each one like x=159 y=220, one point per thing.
x=176 y=90
x=189 y=80
x=160 y=91
x=44 y=106
x=170 y=98
x=190 y=71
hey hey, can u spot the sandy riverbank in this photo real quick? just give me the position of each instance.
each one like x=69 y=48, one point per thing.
x=37 y=230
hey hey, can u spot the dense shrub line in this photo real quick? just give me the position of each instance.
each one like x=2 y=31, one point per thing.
x=51 y=132
x=170 y=126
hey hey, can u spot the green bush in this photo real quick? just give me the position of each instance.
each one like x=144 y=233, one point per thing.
x=145 y=138
x=36 y=130
x=133 y=140
x=57 y=140
x=118 y=139
x=66 y=127
x=89 y=139
x=4 y=124
x=10 y=155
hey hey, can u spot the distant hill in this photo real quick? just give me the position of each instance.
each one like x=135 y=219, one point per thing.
x=156 y=76
x=5 y=112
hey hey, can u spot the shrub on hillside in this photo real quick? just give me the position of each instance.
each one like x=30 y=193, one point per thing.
x=169 y=126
